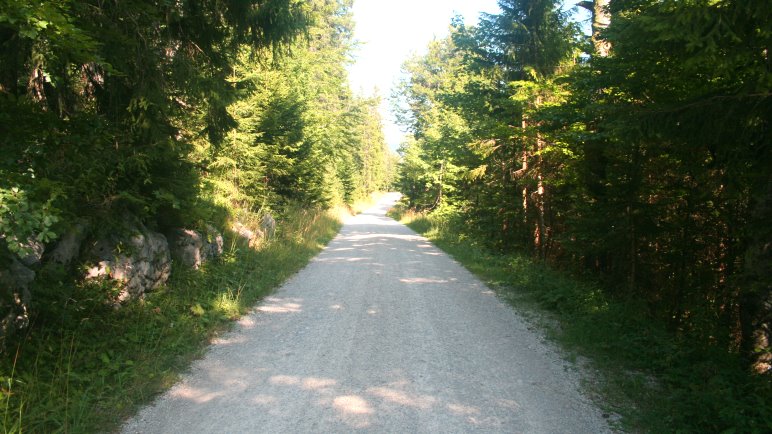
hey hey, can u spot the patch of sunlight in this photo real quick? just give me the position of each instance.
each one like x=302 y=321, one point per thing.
x=308 y=383
x=279 y=305
x=228 y=304
x=284 y=380
x=595 y=300
x=371 y=220
x=421 y=280
x=424 y=402
x=229 y=341
x=362 y=237
x=463 y=409
x=315 y=383
x=352 y=404
x=247 y=323
x=196 y=395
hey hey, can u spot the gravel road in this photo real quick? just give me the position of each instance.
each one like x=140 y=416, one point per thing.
x=382 y=332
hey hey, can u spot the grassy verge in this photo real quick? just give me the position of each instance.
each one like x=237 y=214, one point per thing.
x=656 y=381
x=85 y=366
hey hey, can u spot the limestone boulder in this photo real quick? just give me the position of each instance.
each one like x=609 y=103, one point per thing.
x=67 y=249
x=15 y=296
x=212 y=244
x=142 y=261
x=185 y=246
x=246 y=235
x=191 y=248
x=268 y=225
x=35 y=255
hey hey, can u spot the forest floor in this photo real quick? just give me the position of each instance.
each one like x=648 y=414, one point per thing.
x=381 y=332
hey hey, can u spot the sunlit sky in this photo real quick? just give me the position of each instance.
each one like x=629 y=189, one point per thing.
x=390 y=32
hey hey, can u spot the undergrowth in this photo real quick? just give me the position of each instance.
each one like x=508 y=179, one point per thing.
x=655 y=380
x=84 y=365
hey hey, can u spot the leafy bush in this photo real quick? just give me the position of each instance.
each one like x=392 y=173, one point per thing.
x=22 y=220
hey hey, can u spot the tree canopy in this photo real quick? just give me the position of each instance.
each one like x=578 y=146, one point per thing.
x=147 y=109
x=639 y=154
x=175 y=115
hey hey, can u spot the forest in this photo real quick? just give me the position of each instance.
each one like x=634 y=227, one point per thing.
x=635 y=154
x=176 y=114
x=135 y=117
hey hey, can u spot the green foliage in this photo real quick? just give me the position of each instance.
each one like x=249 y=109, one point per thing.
x=174 y=114
x=646 y=170
x=84 y=366
x=22 y=220
x=176 y=100
x=657 y=381
x=167 y=114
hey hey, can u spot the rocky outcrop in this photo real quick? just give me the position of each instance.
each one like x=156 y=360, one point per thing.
x=246 y=235
x=67 y=249
x=213 y=244
x=268 y=225
x=251 y=236
x=35 y=255
x=142 y=261
x=15 y=296
x=17 y=275
x=192 y=248
x=185 y=246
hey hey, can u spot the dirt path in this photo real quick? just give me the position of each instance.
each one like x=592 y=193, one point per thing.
x=382 y=332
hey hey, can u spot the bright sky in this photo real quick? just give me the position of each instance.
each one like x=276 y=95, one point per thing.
x=390 y=31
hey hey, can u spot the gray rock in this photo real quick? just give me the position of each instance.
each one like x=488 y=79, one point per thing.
x=213 y=244
x=142 y=262
x=15 y=296
x=101 y=269
x=68 y=248
x=36 y=253
x=185 y=246
x=192 y=249
x=268 y=225
x=245 y=234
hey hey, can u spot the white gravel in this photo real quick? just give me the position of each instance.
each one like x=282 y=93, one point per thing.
x=382 y=332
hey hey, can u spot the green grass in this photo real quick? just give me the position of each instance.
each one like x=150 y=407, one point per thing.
x=85 y=366
x=656 y=381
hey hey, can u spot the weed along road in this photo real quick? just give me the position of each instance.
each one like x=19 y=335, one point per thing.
x=382 y=332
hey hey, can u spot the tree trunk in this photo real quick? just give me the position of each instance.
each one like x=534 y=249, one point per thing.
x=756 y=299
x=540 y=238
x=601 y=18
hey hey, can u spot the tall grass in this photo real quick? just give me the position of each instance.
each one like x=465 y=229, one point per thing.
x=84 y=366
x=657 y=381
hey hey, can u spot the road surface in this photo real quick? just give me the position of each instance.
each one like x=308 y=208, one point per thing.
x=382 y=332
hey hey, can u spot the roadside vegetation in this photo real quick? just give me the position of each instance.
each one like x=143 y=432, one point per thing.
x=167 y=117
x=637 y=368
x=85 y=365
x=633 y=156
